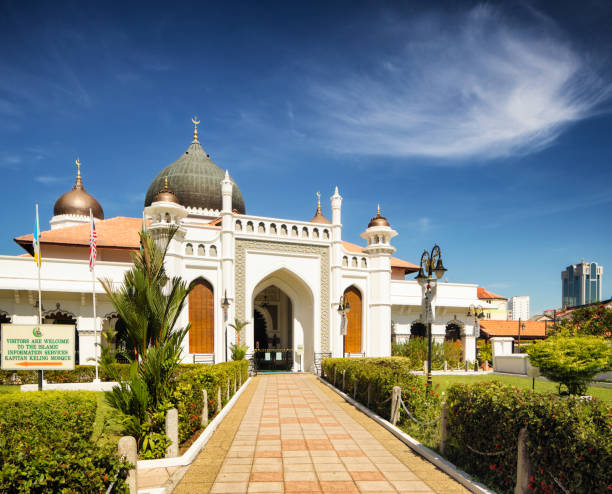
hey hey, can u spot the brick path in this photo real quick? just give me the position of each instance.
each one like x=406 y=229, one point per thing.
x=297 y=436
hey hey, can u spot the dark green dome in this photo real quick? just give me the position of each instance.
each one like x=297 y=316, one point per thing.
x=196 y=181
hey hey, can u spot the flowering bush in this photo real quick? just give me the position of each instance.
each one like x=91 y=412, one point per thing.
x=416 y=351
x=568 y=438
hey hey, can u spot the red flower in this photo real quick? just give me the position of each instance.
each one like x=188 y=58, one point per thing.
x=492 y=466
x=531 y=478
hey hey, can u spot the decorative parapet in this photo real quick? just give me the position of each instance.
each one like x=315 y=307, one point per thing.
x=278 y=229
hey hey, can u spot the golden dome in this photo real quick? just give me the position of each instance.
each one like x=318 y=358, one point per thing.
x=77 y=201
x=378 y=220
x=165 y=195
x=318 y=217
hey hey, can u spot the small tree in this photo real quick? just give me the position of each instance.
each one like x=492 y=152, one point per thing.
x=571 y=361
x=238 y=350
x=593 y=320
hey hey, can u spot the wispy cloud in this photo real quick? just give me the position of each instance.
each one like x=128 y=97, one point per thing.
x=480 y=85
x=47 y=180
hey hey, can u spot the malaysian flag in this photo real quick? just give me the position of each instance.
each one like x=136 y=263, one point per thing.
x=92 y=243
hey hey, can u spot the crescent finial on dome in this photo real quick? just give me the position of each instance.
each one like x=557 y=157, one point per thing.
x=79 y=182
x=195 y=128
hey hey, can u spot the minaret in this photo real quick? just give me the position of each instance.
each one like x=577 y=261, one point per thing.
x=379 y=249
x=227 y=252
x=336 y=273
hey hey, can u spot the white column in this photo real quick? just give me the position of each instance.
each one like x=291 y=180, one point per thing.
x=227 y=263
x=335 y=291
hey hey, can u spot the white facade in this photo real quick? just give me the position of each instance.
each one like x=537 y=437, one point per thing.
x=518 y=308
x=290 y=271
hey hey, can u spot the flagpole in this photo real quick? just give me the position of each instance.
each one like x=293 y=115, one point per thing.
x=38 y=264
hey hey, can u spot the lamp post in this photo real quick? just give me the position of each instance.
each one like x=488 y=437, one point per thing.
x=225 y=304
x=477 y=312
x=344 y=307
x=431 y=264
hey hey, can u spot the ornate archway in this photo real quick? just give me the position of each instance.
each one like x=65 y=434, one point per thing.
x=418 y=330
x=202 y=318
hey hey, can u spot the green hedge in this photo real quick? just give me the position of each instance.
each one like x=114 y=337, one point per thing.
x=415 y=349
x=45 y=445
x=80 y=374
x=191 y=379
x=569 y=438
x=383 y=374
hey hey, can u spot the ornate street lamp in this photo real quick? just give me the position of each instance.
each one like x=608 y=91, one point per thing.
x=344 y=307
x=431 y=265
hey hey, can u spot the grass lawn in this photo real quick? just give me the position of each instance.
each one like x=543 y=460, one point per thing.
x=601 y=393
x=9 y=388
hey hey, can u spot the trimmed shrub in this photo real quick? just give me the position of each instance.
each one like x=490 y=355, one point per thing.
x=569 y=438
x=45 y=445
x=416 y=351
x=382 y=374
x=192 y=379
x=572 y=361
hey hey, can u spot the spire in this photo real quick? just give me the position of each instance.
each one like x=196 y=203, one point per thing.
x=378 y=211
x=79 y=182
x=319 y=217
x=319 y=204
x=195 y=129
x=166 y=182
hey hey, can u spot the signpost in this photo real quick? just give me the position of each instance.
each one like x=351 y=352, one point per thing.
x=38 y=347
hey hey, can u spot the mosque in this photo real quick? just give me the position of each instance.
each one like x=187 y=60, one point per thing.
x=303 y=289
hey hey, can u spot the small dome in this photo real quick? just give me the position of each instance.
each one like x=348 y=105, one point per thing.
x=77 y=201
x=318 y=217
x=196 y=181
x=165 y=195
x=378 y=220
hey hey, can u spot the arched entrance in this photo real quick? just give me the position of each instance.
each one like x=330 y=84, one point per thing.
x=352 y=338
x=282 y=307
x=453 y=332
x=418 y=330
x=202 y=318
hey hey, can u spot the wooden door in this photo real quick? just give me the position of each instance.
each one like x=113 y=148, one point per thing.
x=202 y=318
x=352 y=339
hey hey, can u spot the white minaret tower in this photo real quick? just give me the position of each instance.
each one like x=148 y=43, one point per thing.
x=336 y=274
x=227 y=250
x=378 y=236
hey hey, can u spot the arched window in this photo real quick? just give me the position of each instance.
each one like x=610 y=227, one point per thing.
x=364 y=262
x=249 y=227
x=284 y=230
x=345 y=261
x=453 y=332
x=261 y=228
x=201 y=317
x=201 y=251
x=352 y=339
x=326 y=234
x=354 y=262
x=238 y=225
x=189 y=250
x=167 y=217
x=273 y=229
x=305 y=232
x=213 y=251
x=294 y=231
x=315 y=233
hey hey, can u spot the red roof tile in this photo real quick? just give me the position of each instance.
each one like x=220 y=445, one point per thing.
x=119 y=232
x=533 y=329
x=486 y=294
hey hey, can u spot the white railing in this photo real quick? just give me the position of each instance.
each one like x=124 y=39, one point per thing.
x=275 y=228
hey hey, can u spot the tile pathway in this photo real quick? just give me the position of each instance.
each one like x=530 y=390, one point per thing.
x=297 y=436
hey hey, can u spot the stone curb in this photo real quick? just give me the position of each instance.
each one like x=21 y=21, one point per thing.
x=430 y=455
x=191 y=454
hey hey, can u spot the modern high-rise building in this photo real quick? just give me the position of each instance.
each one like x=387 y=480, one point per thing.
x=518 y=308
x=581 y=284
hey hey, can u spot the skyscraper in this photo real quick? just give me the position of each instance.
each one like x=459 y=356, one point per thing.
x=581 y=284
x=518 y=308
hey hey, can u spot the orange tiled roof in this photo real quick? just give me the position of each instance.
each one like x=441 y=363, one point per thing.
x=486 y=294
x=533 y=329
x=395 y=262
x=119 y=233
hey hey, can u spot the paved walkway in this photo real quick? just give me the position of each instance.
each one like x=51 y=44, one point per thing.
x=289 y=433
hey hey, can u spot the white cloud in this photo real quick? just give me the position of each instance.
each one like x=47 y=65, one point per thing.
x=480 y=86
x=48 y=179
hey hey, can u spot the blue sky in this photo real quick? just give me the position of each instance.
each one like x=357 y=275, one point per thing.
x=484 y=127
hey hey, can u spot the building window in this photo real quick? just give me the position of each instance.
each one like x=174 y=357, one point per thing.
x=189 y=249
x=201 y=251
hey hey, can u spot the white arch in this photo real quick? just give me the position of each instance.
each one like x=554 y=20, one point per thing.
x=302 y=299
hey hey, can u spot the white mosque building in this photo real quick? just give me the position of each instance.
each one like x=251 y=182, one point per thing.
x=286 y=277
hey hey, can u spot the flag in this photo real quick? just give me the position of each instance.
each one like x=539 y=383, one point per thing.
x=93 y=237
x=36 y=240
